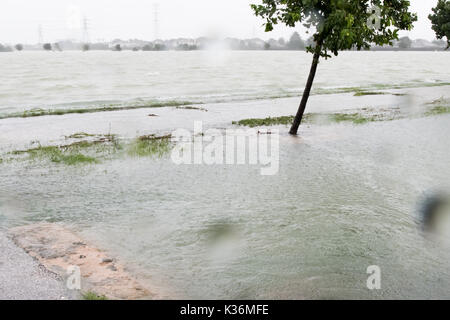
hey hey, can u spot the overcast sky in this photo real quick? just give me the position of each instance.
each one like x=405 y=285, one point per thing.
x=125 y=19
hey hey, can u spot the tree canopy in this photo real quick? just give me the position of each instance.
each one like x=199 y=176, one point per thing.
x=404 y=43
x=440 y=20
x=341 y=24
x=296 y=42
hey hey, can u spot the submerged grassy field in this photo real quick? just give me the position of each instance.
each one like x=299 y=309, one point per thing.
x=38 y=112
x=94 y=151
x=376 y=89
x=87 y=148
x=357 y=117
x=317 y=118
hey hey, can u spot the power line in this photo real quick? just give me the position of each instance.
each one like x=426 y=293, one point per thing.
x=156 y=19
x=85 y=36
x=40 y=35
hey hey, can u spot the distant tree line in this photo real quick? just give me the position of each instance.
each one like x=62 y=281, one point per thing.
x=295 y=42
x=5 y=48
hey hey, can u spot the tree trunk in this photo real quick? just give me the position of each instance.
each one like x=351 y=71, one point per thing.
x=302 y=107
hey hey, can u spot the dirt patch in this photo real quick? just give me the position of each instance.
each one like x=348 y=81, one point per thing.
x=58 y=248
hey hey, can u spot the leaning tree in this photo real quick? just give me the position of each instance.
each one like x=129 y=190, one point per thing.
x=440 y=20
x=339 y=25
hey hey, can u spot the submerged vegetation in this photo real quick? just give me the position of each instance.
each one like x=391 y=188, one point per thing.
x=189 y=105
x=87 y=148
x=252 y=123
x=59 y=155
x=149 y=146
x=376 y=93
x=100 y=148
x=192 y=108
x=439 y=106
x=356 y=118
x=370 y=90
x=438 y=110
x=362 y=116
x=80 y=135
x=38 y=112
x=369 y=93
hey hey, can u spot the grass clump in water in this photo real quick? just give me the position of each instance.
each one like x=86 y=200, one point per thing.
x=319 y=118
x=59 y=155
x=37 y=112
x=438 y=110
x=252 y=123
x=103 y=147
x=80 y=135
x=376 y=93
x=440 y=106
x=150 y=146
x=73 y=159
x=356 y=118
x=369 y=93
x=191 y=108
x=93 y=296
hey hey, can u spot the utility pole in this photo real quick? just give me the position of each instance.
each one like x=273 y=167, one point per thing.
x=40 y=35
x=156 y=19
x=85 y=36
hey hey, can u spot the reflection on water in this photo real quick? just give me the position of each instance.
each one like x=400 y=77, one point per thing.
x=345 y=198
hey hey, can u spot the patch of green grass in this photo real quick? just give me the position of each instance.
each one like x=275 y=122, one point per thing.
x=37 y=112
x=89 y=152
x=59 y=155
x=440 y=106
x=252 y=123
x=192 y=108
x=441 y=101
x=369 y=93
x=73 y=159
x=149 y=146
x=438 y=110
x=93 y=296
x=33 y=112
x=378 y=87
x=356 y=118
x=80 y=135
x=377 y=93
x=53 y=153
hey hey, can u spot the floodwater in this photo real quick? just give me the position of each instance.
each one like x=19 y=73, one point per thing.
x=346 y=196
x=75 y=79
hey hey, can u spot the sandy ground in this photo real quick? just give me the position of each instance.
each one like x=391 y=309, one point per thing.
x=60 y=250
x=24 y=278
